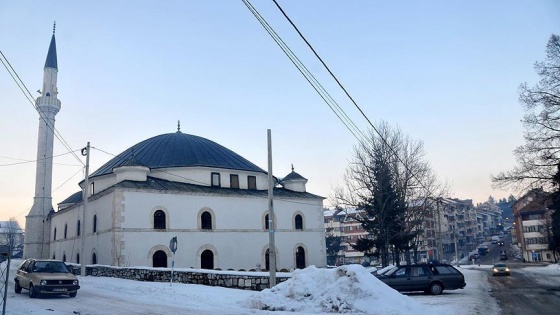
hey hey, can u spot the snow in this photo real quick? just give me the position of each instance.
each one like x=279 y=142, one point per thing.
x=345 y=289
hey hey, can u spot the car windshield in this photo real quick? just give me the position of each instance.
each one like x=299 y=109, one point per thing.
x=500 y=265
x=50 y=266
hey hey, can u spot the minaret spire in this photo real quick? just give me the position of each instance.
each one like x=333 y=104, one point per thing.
x=37 y=223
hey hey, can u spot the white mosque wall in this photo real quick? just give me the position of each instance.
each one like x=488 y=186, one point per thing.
x=125 y=235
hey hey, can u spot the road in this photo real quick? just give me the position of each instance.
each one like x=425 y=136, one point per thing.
x=524 y=293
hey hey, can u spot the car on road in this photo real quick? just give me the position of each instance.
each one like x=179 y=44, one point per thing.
x=429 y=278
x=500 y=269
x=45 y=276
x=501 y=243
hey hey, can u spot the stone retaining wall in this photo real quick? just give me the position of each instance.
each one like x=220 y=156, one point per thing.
x=226 y=279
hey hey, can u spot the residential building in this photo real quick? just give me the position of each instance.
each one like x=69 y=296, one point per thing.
x=532 y=225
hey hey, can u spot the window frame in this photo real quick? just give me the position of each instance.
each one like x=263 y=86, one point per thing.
x=204 y=223
x=215 y=180
x=234 y=178
x=251 y=182
x=160 y=221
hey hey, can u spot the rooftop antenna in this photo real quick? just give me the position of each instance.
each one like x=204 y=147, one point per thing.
x=178 y=126
x=54 y=27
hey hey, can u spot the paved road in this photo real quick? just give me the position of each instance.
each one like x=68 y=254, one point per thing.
x=522 y=293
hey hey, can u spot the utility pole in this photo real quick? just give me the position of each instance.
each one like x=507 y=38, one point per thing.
x=85 y=195
x=455 y=239
x=440 y=245
x=271 y=222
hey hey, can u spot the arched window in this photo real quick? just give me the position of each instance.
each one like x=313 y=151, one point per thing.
x=207 y=259
x=64 y=257
x=94 y=259
x=159 y=220
x=267 y=260
x=53 y=256
x=78 y=229
x=78 y=258
x=54 y=236
x=159 y=259
x=266 y=222
x=298 y=222
x=206 y=220
x=65 y=230
x=94 y=223
x=300 y=258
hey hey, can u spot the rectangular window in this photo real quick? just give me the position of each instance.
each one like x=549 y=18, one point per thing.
x=216 y=179
x=251 y=182
x=234 y=181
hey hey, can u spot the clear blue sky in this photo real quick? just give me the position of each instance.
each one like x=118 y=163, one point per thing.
x=445 y=72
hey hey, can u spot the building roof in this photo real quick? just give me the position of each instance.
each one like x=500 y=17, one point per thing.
x=293 y=176
x=51 y=61
x=159 y=184
x=178 y=150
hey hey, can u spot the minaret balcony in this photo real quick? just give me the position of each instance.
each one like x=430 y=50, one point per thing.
x=48 y=101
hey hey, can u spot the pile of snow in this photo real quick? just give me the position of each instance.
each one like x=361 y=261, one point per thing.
x=346 y=289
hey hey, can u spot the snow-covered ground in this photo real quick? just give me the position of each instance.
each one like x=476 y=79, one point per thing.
x=349 y=289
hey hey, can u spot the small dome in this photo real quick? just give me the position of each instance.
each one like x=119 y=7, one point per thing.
x=179 y=150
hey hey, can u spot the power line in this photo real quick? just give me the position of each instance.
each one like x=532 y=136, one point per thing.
x=30 y=98
x=24 y=161
x=333 y=105
x=350 y=97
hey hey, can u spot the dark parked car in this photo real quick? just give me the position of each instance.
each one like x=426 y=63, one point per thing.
x=45 y=276
x=429 y=278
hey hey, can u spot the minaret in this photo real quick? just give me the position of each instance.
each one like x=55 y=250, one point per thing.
x=37 y=224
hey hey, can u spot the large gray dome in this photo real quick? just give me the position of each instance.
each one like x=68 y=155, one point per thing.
x=178 y=150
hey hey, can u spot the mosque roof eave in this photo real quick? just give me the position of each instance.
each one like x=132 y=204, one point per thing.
x=153 y=183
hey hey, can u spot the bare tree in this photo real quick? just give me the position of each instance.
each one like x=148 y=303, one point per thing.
x=388 y=178
x=538 y=157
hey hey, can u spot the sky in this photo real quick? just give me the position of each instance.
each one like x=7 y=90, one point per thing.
x=308 y=291
x=445 y=73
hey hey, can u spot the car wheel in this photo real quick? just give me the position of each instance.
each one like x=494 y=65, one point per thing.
x=436 y=288
x=73 y=294
x=17 y=287
x=32 y=291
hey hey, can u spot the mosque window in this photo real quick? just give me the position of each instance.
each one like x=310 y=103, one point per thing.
x=206 y=220
x=54 y=235
x=298 y=222
x=94 y=259
x=159 y=220
x=266 y=222
x=77 y=258
x=234 y=181
x=92 y=189
x=251 y=182
x=65 y=230
x=207 y=259
x=216 y=179
x=78 y=229
x=94 y=223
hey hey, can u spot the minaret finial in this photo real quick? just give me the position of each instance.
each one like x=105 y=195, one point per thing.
x=292 y=167
x=54 y=27
x=178 y=126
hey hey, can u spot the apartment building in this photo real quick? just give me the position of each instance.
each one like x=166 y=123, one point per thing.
x=532 y=225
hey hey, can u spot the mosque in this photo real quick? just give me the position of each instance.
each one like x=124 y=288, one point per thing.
x=171 y=185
